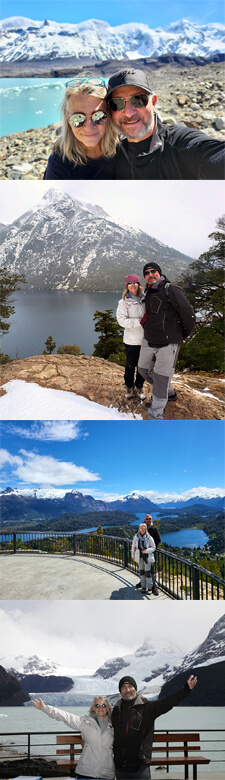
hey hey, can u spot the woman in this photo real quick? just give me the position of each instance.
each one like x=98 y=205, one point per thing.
x=130 y=310
x=143 y=547
x=87 y=144
x=96 y=760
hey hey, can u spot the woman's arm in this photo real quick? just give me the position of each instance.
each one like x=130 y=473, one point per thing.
x=73 y=721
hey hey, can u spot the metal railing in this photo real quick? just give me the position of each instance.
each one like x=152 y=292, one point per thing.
x=31 y=746
x=179 y=578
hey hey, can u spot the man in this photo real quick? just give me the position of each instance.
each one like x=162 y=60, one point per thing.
x=154 y=150
x=168 y=320
x=133 y=721
x=154 y=532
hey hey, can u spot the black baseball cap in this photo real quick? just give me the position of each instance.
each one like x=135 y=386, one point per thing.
x=128 y=78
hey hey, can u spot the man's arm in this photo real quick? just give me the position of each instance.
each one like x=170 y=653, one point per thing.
x=167 y=703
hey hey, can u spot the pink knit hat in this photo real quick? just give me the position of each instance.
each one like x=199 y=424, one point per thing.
x=132 y=278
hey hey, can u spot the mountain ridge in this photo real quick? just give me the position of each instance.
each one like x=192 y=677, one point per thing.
x=26 y=39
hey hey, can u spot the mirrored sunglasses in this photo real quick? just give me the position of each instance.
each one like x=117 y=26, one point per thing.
x=78 y=119
x=93 y=81
x=130 y=284
x=136 y=101
x=100 y=705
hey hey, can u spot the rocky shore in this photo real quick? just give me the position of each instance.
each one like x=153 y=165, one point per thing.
x=193 y=95
x=15 y=764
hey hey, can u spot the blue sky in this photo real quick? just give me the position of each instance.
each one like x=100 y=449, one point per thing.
x=154 y=13
x=108 y=459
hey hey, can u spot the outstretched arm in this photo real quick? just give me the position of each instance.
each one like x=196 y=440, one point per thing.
x=73 y=721
x=166 y=704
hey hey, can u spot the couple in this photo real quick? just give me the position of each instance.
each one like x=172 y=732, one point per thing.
x=114 y=133
x=145 y=542
x=118 y=742
x=155 y=325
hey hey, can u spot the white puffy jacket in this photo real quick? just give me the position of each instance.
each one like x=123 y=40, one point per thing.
x=135 y=552
x=97 y=757
x=129 y=313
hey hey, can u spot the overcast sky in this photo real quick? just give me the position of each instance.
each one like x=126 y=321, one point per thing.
x=181 y=214
x=84 y=635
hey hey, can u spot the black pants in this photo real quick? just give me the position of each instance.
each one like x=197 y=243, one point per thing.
x=132 y=353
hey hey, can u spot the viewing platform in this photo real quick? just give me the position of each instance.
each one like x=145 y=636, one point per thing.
x=68 y=565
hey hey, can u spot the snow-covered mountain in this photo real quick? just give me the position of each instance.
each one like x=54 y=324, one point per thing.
x=23 y=504
x=26 y=40
x=96 y=253
x=156 y=662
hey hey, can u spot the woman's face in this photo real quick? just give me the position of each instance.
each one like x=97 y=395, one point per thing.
x=101 y=708
x=89 y=134
x=133 y=288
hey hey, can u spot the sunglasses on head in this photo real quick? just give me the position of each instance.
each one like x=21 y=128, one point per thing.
x=97 y=118
x=136 y=101
x=93 y=81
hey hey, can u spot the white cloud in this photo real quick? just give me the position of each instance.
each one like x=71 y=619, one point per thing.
x=49 y=430
x=7 y=458
x=45 y=470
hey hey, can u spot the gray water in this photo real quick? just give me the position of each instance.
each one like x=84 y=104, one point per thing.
x=66 y=316
x=24 y=719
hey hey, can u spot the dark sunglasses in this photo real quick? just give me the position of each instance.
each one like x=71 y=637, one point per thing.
x=78 y=119
x=137 y=101
x=100 y=705
x=150 y=271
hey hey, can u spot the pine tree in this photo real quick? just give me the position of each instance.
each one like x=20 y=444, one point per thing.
x=204 y=286
x=50 y=346
x=9 y=282
x=110 y=340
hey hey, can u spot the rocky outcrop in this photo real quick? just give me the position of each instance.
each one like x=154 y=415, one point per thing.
x=199 y=397
x=11 y=692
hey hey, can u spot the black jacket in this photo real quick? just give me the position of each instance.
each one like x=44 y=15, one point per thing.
x=102 y=168
x=169 y=317
x=179 y=153
x=154 y=532
x=134 y=728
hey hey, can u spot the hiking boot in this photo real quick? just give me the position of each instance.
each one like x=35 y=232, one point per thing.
x=144 y=590
x=129 y=392
x=139 y=394
x=173 y=396
x=138 y=585
x=155 y=591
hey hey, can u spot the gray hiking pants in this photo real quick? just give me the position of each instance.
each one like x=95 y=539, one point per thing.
x=157 y=365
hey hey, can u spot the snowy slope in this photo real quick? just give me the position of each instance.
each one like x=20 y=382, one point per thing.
x=25 y=40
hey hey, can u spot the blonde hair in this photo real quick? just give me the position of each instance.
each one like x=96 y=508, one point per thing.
x=68 y=144
x=106 y=701
x=139 y=292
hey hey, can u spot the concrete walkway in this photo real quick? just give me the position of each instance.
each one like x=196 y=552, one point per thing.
x=46 y=576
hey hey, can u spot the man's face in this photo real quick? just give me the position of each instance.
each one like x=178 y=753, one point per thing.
x=128 y=691
x=151 y=276
x=135 y=123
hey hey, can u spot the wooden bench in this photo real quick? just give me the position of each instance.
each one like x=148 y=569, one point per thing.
x=73 y=751
x=170 y=745
x=164 y=743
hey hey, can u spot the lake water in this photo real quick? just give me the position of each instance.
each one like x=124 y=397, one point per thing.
x=27 y=103
x=193 y=718
x=188 y=537
x=66 y=316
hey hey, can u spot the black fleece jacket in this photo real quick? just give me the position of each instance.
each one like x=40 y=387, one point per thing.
x=133 y=724
x=180 y=153
x=169 y=317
